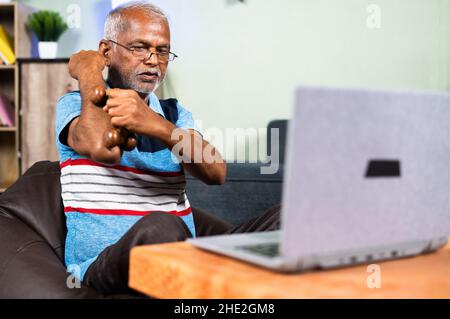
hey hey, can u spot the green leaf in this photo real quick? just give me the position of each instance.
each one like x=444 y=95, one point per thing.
x=47 y=25
x=35 y=26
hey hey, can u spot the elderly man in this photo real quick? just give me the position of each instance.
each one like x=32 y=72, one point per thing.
x=120 y=194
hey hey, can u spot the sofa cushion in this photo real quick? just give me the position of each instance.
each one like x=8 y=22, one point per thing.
x=32 y=237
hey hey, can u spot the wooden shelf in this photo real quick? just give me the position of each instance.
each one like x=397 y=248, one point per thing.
x=7 y=67
x=7 y=7
x=13 y=17
x=8 y=129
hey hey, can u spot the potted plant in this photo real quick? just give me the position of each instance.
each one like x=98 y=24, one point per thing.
x=48 y=27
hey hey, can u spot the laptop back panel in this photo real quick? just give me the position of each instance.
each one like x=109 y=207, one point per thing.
x=365 y=169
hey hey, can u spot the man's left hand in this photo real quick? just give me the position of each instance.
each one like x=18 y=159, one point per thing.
x=127 y=109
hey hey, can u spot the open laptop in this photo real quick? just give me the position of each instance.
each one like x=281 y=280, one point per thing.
x=367 y=179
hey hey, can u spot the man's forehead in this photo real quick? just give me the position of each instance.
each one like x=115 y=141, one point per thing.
x=140 y=18
x=147 y=27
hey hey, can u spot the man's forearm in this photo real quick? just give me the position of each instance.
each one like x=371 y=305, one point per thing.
x=201 y=159
x=211 y=169
x=87 y=136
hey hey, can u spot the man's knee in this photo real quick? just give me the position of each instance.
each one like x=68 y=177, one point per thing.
x=159 y=227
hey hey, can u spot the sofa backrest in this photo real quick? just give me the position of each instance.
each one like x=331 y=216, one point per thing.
x=246 y=194
x=282 y=127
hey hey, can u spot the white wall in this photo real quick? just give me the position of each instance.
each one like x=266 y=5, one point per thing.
x=239 y=63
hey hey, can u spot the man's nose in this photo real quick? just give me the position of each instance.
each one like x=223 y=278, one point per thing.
x=152 y=59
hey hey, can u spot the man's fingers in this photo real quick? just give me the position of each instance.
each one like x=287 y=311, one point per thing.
x=113 y=111
x=118 y=121
x=112 y=103
x=116 y=97
x=111 y=93
x=118 y=92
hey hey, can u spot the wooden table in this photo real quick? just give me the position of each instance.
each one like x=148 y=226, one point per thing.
x=179 y=270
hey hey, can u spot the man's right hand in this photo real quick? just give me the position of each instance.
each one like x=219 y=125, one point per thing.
x=87 y=68
x=92 y=134
x=85 y=63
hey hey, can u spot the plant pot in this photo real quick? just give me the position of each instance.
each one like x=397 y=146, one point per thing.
x=47 y=49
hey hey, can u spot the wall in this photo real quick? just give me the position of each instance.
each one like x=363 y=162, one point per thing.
x=239 y=63
x=86 y=17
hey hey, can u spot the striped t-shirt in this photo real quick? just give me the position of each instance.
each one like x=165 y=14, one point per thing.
x=102 y=202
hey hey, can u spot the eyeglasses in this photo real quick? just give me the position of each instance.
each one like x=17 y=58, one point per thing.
x=143 y=53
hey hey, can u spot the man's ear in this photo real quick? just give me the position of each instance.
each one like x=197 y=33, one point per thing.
x=105 y=49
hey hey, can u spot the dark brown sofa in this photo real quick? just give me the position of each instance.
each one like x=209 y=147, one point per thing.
x=32 y=236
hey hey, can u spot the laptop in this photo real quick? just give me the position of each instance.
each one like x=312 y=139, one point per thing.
x=367 y=179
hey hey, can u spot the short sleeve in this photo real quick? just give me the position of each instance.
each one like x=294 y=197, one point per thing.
x=68 y=108
x=185 y=119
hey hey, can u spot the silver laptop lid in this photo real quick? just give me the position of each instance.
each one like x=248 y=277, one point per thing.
x=365 y=169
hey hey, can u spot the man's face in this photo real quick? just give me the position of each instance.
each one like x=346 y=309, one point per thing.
x=127 y=71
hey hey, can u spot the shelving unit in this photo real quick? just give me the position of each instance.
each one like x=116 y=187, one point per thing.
x=6 y=67
x=13 y=17
x=37 y=120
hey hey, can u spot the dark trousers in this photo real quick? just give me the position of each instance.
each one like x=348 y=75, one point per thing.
x=109 y=273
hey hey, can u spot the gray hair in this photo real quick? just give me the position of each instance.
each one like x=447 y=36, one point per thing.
x=115 y=24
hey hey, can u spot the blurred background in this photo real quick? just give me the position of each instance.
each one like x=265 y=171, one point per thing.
x=240 y=61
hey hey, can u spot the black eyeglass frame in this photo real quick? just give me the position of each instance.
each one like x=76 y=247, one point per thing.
x=170 y=55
